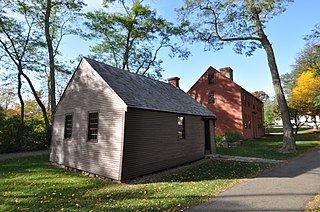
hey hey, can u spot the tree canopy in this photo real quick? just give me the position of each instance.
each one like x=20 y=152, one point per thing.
x=131 y=38
x=302 y=83
x=306 y=92
x=221 y=22
x=314 y=40
x=26 y=29
x=263 y=96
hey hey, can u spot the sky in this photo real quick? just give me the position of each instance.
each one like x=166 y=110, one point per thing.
x=285 y=31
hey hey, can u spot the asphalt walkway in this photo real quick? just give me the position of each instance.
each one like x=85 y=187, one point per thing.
x=23 y=154
x=287 y=188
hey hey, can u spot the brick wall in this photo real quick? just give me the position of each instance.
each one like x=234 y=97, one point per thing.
x=235 y=108
x=227 y=100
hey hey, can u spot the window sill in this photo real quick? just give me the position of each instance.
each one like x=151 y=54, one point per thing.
x=181 y=139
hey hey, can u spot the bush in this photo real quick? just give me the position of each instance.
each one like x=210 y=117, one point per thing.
x=15 y=137
x=232 y=136
x=219 y=140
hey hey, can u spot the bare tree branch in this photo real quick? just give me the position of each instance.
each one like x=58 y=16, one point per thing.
x=216 y=30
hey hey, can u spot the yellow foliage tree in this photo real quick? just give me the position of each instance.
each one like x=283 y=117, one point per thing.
x=306 y=92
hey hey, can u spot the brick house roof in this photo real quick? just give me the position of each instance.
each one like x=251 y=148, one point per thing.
x=142 y=92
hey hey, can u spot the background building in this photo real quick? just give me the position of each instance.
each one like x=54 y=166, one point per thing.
x=235 y=108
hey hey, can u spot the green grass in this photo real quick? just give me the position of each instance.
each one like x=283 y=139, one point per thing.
x=270 y=147
x=279 y=131
x=32 y=184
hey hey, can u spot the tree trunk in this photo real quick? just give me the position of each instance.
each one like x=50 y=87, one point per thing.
x=296 y=130
x=49 y=94
x=314 y=120
x=288 y=139
x=21 y=99
x=289 y=144
x=43 y=108
x=51 y=55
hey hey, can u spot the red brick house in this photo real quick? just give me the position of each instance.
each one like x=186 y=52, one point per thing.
x=235 y=108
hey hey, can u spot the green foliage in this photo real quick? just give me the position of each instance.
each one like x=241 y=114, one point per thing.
x=23 y=43
x=7 y=95
x=263 y=96
x=289 y=81
x=228 y=137
x=33 y=184
x=132 y=38
x=308 y=59
x=232 y=136
x=219 y=140
x=15 y=137
x=314 y=37
x=222 y=22
x=271 y=112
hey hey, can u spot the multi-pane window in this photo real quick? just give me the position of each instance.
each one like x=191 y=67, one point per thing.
x=93 y=126
x=68 y=126
x=211 y=78
x=181 y=127
x=211 y=98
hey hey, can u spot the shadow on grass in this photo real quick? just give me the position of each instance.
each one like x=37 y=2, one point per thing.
x=33 y=184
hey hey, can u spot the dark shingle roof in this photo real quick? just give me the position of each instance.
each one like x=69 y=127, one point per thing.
x=141 y=92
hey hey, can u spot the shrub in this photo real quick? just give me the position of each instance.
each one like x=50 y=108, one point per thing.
x=232 y=136
x=15 y=137
x=219 y=140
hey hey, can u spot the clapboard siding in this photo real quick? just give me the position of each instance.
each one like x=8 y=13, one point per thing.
x=151 y=142
x=88 y=92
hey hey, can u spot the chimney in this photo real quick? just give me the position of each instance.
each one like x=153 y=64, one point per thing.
x=227 y=72
x=174 y=81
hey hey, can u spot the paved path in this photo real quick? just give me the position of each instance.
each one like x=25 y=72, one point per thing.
x=245 y=159
x=23 y=154
x=286 y=188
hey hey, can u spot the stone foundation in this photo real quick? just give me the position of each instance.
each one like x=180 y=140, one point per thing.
x=85 y=173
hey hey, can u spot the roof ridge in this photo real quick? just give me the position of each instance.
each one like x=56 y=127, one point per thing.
x=139 y=91
x=132 y=73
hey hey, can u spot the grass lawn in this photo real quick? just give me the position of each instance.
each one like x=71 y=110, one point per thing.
x=32 y=184
x=279 y=131
x=270 y=147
